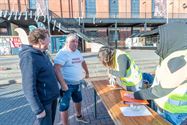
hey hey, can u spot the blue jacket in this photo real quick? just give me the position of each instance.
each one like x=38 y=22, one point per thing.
x=38 y=78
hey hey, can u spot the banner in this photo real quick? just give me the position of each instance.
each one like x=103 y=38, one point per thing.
x=160 y=8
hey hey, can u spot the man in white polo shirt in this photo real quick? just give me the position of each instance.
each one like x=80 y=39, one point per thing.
x=70 y=69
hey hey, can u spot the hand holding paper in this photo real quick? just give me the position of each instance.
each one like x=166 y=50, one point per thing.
x=112 y=80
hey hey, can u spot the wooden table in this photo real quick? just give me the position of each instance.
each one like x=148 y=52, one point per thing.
x=112 y=100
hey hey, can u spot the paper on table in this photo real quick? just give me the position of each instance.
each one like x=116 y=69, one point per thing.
x=139 y=110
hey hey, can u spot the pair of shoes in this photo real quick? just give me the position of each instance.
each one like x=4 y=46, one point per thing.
x=82 y=119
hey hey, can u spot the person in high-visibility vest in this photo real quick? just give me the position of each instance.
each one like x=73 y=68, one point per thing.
x=122 y=66
x=169 y=89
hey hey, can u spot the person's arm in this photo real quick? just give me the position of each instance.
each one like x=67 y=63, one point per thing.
x=84 y=66
x=123 y=65
x=59 y=76
x=150 y=93
x=29 y=74
x=59 y=61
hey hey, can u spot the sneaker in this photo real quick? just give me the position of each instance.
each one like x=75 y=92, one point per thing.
x=82 y=119
x=59 y=123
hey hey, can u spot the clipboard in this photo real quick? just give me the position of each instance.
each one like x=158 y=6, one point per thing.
x=128 y=100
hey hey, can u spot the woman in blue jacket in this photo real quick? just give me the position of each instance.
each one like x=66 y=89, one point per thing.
x=38 y=78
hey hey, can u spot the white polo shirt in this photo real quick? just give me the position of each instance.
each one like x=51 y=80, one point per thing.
x=71 y=64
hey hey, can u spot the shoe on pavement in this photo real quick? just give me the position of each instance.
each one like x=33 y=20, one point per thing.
x=82 y=119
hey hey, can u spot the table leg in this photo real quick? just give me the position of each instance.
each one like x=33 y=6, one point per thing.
x=95 y=104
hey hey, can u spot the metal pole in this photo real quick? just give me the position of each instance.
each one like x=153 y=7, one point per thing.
x=83 y=42
x=172 y=9
x=116 y=36
x=80 y=8
x=48 y=21
x=144 y=3
x=95 y=104
x=108 y=36
x=145 y=26
x=48 y=24
x=179 y=8
x=167 y=11
x=145 y=9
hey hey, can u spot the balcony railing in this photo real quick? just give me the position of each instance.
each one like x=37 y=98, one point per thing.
x=76 y=14
x=139 y=15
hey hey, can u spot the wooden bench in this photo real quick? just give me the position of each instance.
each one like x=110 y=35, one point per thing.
x=112 y=100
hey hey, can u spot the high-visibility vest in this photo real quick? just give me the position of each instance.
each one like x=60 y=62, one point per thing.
x=176 y=101
x=133 y=74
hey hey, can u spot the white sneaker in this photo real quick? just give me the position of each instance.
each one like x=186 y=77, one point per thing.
x=59 y=123
x=82 y=119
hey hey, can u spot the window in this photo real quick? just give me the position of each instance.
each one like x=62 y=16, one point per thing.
x=32 y=4
x=113 y=9
x=90 y=8
x=135 y=8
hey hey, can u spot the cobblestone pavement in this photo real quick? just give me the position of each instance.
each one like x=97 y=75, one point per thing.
x=14 y=109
